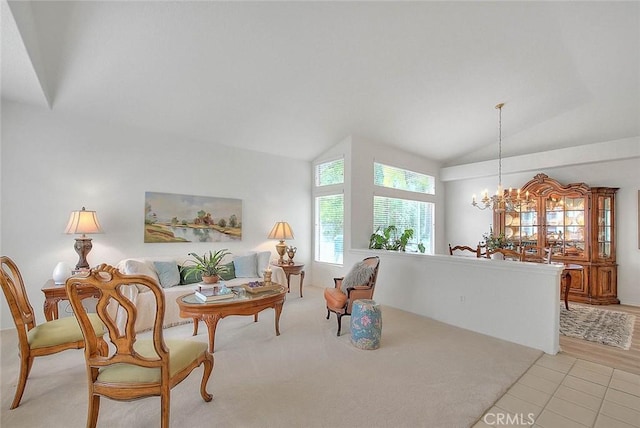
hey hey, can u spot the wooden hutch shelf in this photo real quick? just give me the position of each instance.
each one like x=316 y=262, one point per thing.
x=577 y=224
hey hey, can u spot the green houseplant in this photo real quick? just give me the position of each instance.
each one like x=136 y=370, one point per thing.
x=209 y=266
x=494 y=241
x=388 y=239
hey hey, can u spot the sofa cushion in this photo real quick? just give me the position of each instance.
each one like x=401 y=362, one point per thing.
x=231 y=272
x=168 y=273
x=336 y=299
x=246 y=266
x=263 y=261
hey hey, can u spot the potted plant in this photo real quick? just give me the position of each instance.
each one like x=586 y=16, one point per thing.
x=209 y=266
x=494 y=242
x=388 y=239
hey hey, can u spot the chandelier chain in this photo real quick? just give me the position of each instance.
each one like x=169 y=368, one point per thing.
x=499 y=107
x=503 y=200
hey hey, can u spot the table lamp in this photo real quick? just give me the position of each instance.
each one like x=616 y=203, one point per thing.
x=83 y=222
x=281 y=230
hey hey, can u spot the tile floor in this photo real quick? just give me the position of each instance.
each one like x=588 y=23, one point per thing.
x=559 y=391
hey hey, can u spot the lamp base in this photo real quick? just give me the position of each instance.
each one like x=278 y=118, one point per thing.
x=281 y=247
x=82 y=247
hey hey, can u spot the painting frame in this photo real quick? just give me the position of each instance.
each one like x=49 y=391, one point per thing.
x=181 y=218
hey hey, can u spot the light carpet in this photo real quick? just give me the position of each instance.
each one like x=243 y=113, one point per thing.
x=611 y=328
x=425 y=374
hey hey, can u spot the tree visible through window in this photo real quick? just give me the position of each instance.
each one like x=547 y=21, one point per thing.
x=402 y=179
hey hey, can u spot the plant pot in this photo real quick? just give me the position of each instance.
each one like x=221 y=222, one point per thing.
x=210 y=279
x=497 y=256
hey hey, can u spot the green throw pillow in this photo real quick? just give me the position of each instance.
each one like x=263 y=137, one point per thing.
x=192 y=278
x=231 y=272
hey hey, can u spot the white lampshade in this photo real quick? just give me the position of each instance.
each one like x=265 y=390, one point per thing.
x=83 y=222
x=281 y=230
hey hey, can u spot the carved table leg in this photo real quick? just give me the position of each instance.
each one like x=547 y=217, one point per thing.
x=288 y=275
x=566 y=278
x=195 y=326
x=50 y=308
x=301 y=281
x=212 y=322
x=278 y=309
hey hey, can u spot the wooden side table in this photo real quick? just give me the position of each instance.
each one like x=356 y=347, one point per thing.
x=292 y=269
x=54 y=293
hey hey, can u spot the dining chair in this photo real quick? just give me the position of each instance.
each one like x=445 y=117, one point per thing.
x=37 y=340
x=359 y=283
x=462 y=250
x=536 y=255
x=507 y=254
x=134 y=368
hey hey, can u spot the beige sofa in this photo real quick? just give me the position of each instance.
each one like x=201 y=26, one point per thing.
x=245 y=268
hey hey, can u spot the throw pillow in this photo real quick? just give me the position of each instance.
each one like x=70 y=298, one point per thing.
x=263 y=261
x=135 y=267
x=358 y=275
x=246 y=266
x=231 y=272
x=192 y=278
x=167 y=273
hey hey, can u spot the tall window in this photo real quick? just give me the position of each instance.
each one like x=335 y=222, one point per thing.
x=329 y=211
x=406 y=202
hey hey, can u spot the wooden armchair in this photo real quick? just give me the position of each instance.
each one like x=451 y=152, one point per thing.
x=36 y=340
x=462 y=250
x=339 y=300
x=133 y=368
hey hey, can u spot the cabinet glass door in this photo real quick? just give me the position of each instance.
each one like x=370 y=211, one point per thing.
x=605 y=225
x=565 y=233
x=521 y=225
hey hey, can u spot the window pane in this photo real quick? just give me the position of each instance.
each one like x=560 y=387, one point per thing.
x=330 y=173
x=397 y=178
x=329 y=228
x=406 y=214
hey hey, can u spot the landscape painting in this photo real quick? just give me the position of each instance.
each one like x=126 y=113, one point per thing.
x=172 y=217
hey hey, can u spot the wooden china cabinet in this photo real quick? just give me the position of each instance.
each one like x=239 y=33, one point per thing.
x=577 y=223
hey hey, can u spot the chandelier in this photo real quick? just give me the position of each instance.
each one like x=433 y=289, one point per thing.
x=501 y=201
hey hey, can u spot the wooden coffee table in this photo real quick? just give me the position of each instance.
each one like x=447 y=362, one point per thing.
x=212 y=312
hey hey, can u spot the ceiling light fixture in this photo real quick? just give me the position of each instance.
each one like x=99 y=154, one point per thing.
x=502 y=200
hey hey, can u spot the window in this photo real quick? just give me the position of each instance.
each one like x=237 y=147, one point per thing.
x=406 y=214
x=329 y=211
x=402 y=179
x=329 y=173
x=406 y=202
x=329 y=228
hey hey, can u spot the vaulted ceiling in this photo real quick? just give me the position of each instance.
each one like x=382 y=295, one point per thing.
x=295 y=78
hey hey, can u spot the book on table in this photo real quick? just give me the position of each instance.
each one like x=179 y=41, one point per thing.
x=212 y=294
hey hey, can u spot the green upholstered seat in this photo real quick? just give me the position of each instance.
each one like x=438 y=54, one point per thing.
x=181 y=354
x=63 y=330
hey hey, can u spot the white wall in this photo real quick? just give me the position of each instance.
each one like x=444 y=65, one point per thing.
x=513 y=301
x=53 y=164
x=465 y=224
x=364 y=153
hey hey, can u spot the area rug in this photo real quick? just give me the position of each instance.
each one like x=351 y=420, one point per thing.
x=597 y=325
